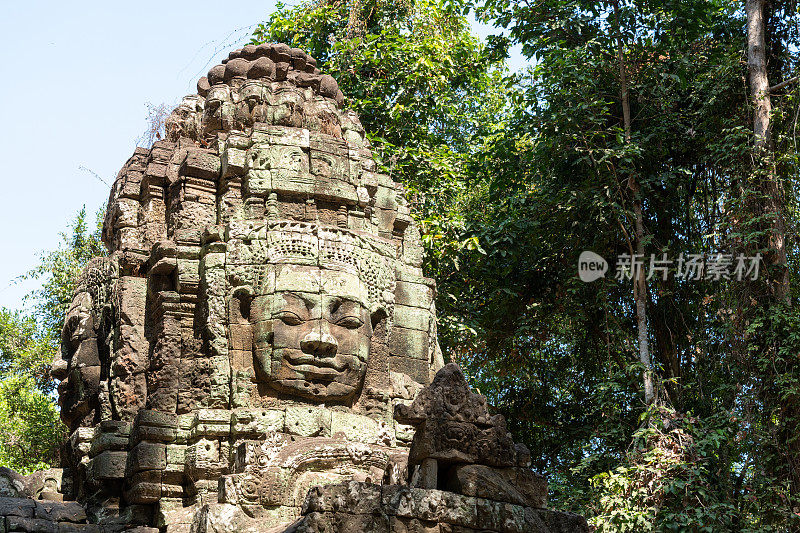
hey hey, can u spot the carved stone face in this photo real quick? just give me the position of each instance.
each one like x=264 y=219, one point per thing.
x=312 y=335
x=218 y=109
x=288 y=103
x=78 y=322
x=185 y=119
x=252 y=106
x=78 y=366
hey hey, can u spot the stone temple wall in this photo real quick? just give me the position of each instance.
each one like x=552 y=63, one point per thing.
x=250 y=355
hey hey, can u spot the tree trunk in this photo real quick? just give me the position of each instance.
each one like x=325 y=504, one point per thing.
x=769 y=185
x=640 y=295
x=640 y=283
x=757 y=68
x=769 y=206
x=355 y=26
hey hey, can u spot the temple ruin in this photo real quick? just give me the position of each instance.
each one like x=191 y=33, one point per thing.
x=258 y=351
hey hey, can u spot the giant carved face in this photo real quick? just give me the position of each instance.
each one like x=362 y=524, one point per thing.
x=312 y=335
x=78 y=366
x=218 y=109
x=253 y=106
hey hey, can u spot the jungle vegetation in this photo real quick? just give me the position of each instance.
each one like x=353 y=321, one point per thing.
x=642 y=128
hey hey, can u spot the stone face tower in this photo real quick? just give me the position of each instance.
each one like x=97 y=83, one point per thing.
x=261 y=311
x=258 y=351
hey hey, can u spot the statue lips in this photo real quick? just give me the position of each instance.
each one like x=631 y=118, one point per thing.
x=316 y=368
x=69 y=397
x=317 y=373
x=65 y=387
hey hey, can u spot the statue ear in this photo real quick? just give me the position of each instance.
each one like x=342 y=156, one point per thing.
x=71 y=323
x=377 y=316
x=242 y=298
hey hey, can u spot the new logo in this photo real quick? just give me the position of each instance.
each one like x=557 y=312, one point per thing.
x=591 y=266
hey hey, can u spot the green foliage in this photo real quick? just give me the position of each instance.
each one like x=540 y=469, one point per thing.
x=516 y=175
x=720 y=351
x=29 y=420
x=556 y=180
x=25 y=349
x=58 y=271
x=29 y=424
x=670 y=478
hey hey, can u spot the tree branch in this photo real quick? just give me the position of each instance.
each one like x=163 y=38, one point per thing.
x=781 y=85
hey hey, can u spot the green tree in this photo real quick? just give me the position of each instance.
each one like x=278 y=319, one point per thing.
x=29 y=424
x=25 y=349
x=29 y=420
x=639 y=105
x=423 y=85
x=58 y=271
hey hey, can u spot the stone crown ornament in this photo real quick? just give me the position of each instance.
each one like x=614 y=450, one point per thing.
x=305 y=243
x=260 y=315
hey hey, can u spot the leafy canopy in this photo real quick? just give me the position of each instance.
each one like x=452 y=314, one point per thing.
x=30 y=427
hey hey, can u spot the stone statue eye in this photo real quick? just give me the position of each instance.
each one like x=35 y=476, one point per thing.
x=350 y=322
x=289 y=318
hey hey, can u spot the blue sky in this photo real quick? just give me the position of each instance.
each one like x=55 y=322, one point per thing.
x=79 y=77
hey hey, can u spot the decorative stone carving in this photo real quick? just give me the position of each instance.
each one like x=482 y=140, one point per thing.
x=40 y=485
x=355 y=506
x=261 y=314
x=256 y=256
x=457 y=445
x=79 y=366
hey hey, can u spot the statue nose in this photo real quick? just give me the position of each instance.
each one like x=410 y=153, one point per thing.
x=59 y=368
x=319 y=343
